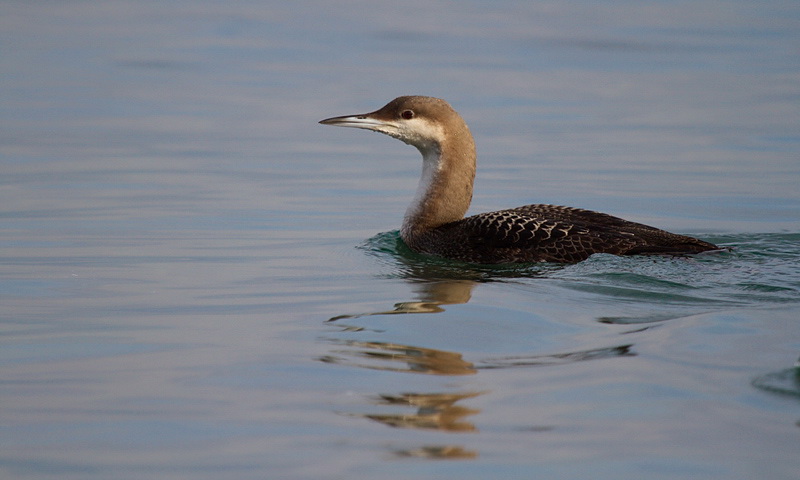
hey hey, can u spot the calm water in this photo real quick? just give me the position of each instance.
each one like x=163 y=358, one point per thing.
x=199 y=281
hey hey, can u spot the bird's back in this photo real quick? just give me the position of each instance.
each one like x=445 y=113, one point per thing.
x=534 y=233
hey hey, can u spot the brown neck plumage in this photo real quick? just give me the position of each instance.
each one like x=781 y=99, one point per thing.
x=444 y=192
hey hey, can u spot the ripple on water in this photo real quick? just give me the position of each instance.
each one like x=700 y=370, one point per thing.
x=755 y=269
x=784 y=382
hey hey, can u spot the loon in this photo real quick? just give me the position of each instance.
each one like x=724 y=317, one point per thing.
x=434 y=222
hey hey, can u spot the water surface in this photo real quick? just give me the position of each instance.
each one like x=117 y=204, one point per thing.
x=199 y=281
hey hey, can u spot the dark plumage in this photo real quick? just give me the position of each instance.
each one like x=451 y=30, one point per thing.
x=549 y=233
x=434 y=221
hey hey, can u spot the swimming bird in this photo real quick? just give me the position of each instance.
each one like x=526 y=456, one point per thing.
x=434 y=223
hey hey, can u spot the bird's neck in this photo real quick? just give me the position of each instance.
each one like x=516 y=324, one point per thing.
x=445 y=187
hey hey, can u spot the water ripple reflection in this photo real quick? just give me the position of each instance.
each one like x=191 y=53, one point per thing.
x=386 y=356
x=435 y=411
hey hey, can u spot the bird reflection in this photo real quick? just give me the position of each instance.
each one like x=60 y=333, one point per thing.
x=435 y=411
x=435 y=286
x=449 y=452
x=396 y=357
x=432 y=295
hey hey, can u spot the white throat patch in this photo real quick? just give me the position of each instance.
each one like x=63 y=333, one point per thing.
x=431 y=165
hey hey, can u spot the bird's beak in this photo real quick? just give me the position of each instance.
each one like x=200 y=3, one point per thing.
x=364 y=120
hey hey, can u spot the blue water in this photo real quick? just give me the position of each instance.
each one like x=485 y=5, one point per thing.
x=199 y=281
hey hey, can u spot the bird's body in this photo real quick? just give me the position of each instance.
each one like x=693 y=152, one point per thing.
x=434 y=222
x=551 y=233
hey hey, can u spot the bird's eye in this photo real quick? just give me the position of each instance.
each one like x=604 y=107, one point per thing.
x=407 y=114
